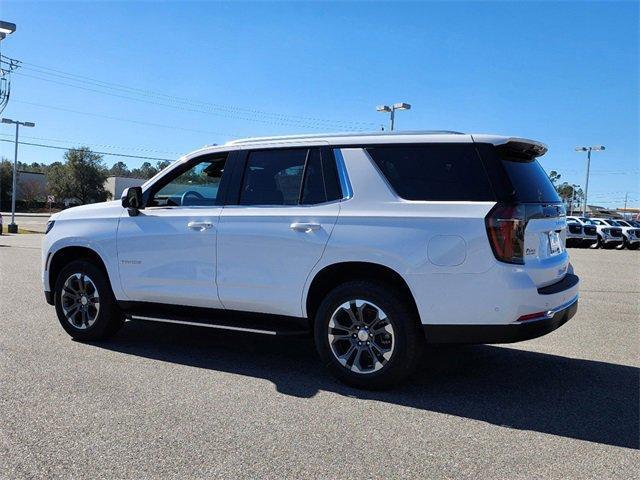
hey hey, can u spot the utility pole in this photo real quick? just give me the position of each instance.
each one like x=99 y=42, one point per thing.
x=392 y=110
x=13 y=228
x=596 y=148
x=625 y=202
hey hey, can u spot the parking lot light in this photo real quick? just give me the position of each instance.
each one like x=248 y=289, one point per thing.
x=595 y=148
x=392 y=110
x=6 y=28
x=13 y=228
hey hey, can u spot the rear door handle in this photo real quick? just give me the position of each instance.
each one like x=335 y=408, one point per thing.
x=305 y=227
x=199 y=226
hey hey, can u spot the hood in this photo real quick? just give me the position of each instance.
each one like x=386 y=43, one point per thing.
x=92 y=210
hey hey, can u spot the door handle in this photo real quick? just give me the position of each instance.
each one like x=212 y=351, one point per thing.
x=305 y=227
x=199 y=226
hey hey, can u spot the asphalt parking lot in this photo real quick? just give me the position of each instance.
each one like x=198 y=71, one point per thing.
x=167 y=401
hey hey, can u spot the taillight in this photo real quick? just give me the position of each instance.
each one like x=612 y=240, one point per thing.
x=505 y=228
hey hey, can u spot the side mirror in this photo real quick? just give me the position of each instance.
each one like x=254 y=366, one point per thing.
x=132 y=198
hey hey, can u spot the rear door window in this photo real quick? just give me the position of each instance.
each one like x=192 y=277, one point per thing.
x=287 y=177
x=438 y=172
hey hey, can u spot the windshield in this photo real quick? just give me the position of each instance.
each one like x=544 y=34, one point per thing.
x=622 y=224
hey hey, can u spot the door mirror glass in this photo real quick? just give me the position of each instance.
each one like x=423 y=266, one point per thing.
x=132 y=198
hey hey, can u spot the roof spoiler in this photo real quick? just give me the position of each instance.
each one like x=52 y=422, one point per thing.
x=522 y=148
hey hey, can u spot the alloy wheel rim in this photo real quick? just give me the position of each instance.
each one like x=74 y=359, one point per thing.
x=80 y=301
x=361 y=337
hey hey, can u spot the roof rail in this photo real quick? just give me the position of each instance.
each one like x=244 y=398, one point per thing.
x=334 y=135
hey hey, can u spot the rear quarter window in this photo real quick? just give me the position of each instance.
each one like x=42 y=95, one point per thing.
x=530 y=182
x=437 y=172
x=515 y=177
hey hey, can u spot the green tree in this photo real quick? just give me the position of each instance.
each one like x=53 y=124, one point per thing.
x=119 y=169
x=6 y=175
x=146 y=170
x=162 y=164
x=554 y=177
x=81 y=176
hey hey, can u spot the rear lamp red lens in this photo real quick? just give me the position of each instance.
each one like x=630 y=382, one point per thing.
x=505 y=228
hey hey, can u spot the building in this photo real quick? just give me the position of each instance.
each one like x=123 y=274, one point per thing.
x=116 y=185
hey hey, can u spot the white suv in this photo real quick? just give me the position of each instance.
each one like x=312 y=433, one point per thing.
x=609 y=236
x=630 y=234
x=589 y=234
x=376 y=243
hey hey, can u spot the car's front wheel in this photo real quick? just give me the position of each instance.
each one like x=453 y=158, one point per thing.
x=368 y=335
x=85 y=304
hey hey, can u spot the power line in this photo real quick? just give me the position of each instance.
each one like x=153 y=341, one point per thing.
x=99 y=153
x=139 y=149
x=109 y=117
x=202 y=107
x=233 y=108
x=177 y=107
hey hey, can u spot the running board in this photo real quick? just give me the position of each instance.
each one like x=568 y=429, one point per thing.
x=209 y=325
x=247 y=322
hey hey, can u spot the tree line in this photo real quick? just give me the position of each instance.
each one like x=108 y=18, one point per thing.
x=570 y=196
x=79 y=178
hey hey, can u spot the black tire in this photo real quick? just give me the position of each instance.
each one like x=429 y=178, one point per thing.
x=599 y=243
x=109 y=318
x=408 y=337
x=633 y=246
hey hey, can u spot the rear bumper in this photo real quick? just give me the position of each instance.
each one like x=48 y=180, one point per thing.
x=513 y=332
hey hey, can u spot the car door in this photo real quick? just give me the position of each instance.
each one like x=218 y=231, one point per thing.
x=167 y=252
x=286 y=205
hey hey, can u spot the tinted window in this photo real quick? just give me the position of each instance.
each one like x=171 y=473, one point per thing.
x=273 y=177
x=197 y=186
x=445 y=172
x=530 y=182
x=313 y=190
x=331 y=179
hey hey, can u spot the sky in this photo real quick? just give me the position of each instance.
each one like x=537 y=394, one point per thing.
x=161 y=79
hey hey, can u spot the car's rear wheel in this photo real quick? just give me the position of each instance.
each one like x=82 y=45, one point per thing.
x=367 y=335
x=85 y=304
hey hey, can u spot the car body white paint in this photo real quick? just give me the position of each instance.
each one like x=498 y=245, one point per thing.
x=256 y=262
x=586 y=238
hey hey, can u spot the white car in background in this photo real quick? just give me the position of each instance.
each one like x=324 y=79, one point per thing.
x=609 y=236
x=575 y=235
x=630 y=233
x=376 y=244
x=589 y=236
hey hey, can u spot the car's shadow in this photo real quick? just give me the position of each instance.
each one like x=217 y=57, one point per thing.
x=582 y=399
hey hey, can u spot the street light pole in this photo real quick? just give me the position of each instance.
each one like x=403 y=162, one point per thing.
x=596 y=148
x=6 y=28
x=392 y=111
x=13 y=228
